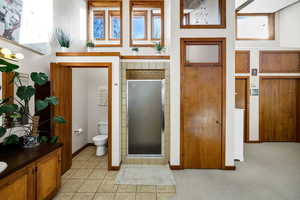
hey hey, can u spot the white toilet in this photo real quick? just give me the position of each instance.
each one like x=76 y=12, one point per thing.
x=100 y=140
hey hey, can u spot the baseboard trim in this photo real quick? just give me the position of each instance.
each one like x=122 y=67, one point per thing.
x=175 y=167
x=229 y=168
x=253 y=142
x=81 y=149
x=115 y=168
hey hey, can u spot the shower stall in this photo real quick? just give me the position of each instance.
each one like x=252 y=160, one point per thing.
x=145 y=109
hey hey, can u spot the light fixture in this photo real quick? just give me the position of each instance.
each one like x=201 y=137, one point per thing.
x=18 y=56
x=7 y=54
x=5 y=51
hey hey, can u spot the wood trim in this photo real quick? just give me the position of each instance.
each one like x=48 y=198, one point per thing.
x=147 y=57
x=229 y=168
x=81 y=149
x=88 y=54
x=271 y=19
x=224 y=67
x=147 y=4
x=247 y=128
x=248 y=59
x=175 y=167
x=261 y=57
x=109 y=67
x=222 y=4
x=253 y=142
x=261 y=134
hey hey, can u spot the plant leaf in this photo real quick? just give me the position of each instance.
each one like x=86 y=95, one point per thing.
x=40 y=105
x=59 y=119
x=25 y=92
x=39 y=78
x=8 y=67
x=53 y=139
x=44 y=139
x=2 y=131
x=12 y=139
x=52 y=100
x=8 y=108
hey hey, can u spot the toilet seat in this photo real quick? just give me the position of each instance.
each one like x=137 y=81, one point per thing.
x=100 y=137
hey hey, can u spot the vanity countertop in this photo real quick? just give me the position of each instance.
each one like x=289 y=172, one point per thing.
x=18 y=157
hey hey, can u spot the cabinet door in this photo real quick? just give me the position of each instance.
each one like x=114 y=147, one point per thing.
x=48 y=175
x=18 y=186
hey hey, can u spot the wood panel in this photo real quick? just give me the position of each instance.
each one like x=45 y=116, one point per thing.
x=242 y=101
x=279 y=105
x=202 y=111
x=61 y=87
x=48 y=175
x=279 y=61
x=242 y=62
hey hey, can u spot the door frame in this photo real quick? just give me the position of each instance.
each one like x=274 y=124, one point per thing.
x=89 y=65
x=247 y=128
x=222 y=62
x=261 y=78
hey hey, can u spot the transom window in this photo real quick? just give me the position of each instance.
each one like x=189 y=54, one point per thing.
x=255 y=27
x=105 y=23
x=147 y=25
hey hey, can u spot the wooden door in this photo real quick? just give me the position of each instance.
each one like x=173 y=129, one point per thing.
x=279 y=109
x=18 y=186
x=61 y=87
x=202 y=108
x=48 y=176
x=280 y=61
x=241 y=101
x=242 y=62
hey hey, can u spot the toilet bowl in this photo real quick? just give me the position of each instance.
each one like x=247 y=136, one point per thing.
x=100 y=140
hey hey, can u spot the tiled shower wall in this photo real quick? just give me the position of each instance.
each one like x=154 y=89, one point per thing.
x=124 y=150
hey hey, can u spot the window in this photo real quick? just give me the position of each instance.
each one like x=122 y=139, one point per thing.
x=146 y=23
x=255 y=27
x=105 y=23
x=203 y=13
x=99 y=25
x=155 y=25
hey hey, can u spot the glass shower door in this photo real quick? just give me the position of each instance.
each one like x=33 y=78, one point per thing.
x=145 y=117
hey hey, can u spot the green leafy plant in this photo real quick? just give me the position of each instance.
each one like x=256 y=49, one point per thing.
x=158 y=47
x=90 y=44
x=14 y=111
x=62 y=38
x=135 y=49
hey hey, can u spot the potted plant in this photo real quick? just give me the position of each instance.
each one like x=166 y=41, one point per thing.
x=135 y=50
x=90 y=45
x=63 y=39
x=19 y=108
x=159 y=48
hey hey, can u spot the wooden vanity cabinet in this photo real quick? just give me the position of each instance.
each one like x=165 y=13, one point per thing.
x=39 y=180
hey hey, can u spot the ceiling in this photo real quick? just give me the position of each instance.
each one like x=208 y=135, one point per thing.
x=264 y=6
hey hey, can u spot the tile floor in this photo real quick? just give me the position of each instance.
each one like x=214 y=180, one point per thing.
x=89 y=179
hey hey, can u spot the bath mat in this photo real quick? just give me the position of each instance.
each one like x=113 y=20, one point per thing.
x=145 y=175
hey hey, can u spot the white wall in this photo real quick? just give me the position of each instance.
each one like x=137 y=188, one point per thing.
x=79 y=108
x=178 y=33
x=290 y=26
x=96 y=78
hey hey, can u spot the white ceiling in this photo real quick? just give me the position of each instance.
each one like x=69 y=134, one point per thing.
x=264 y=6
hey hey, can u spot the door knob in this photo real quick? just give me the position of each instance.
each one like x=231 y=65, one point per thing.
x=218 y=122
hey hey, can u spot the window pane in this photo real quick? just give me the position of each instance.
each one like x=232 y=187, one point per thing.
x=202 y=53
x=254 y=27
x=201 y=12
x=115 y=27
x=156 y=26
x=98 y=25
x=138 y=27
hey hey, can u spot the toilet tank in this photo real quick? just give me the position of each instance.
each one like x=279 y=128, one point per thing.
x=102 y=128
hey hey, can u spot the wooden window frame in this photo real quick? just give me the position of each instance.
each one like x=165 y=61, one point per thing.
x=145 y=15
x=113 y=13
x=105 y=4
x=222 y=25
x=104 y=23
x=204 y=64
x=271 y=20
x=152 y=21
x=147 y=4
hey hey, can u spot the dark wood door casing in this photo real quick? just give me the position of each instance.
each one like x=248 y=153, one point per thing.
x=203 y=99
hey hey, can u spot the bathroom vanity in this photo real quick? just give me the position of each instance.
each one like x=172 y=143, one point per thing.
x=32 y=174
